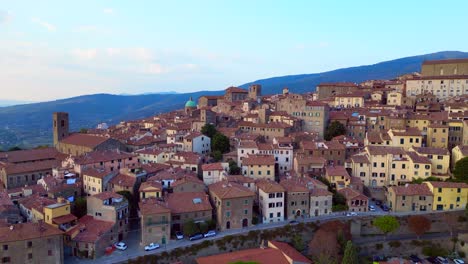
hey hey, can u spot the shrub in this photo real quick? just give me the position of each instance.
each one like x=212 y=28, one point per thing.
x=434 y=251
x=461 y=254
x=462 y=243
x=378 y=246
x=416 y=243
x=394 y=244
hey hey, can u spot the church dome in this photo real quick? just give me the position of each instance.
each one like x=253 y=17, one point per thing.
x=191 y=103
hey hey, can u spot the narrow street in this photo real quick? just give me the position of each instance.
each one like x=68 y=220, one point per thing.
x=135 y=249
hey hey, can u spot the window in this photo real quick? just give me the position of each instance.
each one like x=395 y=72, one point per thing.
x=30 y=256
x=6 y=259
x=228 y=203
x=271 y=195
x=278 y=214
x=246 y=211
x=271 y=205
x=440 y=190
x=228 y=214
x=458 y=190
x=439 y=199
x=458 y=199
x=29 y=244
x=246 y=201
x=279 y=195
x=5 y=247
x=382 y=165
x=271 y=215
x=49 y=252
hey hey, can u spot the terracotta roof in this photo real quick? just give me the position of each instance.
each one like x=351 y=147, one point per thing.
x=384 y=150
x=96 y=173
x=247 y=144
x=342 y=84
x=123 y=180
x=64 y=219
x=212 y=167
x=149 y=151
x=229 y=190
x=350 y=194
x=294 y=185
x=258 y=160
x=86 y=140
x=416 y=158
x=235 y=90
x=27 y=231
x=30 y=155
x=463 y=149
x=439 y=184
x=240 y=179
x=410 y=131
x=37 y=202
x=150 y=186
x=316 y=192
x=12 y=168
x=269 y=186
x=267 y=255
x=412 y=189
x=337 y=171
x=193 y=135
x=431 y=62
x=107 y=195
x=432 y=151
x=153 y=206
x=89 y=229
x=188 y=202
x=290 y=252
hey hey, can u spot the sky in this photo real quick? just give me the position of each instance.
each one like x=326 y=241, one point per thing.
x=59 y=49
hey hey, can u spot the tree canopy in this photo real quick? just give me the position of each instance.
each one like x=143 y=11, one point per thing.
x=419 y=224
x=334 y=129
x=460 y=171
x=350 y=255
x=190 y=228
x=234 y=169
x=386 y=223
x=220 y=143
x=209 y=130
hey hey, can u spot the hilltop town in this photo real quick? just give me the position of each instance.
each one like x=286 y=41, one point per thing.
x=241 y=161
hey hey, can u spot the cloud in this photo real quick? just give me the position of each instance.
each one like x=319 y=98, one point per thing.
x=108 y=11
x=44 y=24
x=154 y=68
x=84 y=54
x=5 y=17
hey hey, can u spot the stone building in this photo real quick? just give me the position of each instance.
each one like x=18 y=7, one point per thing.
x=325 y=90
x=233 y=204
x=31 y=243
x=155 y=222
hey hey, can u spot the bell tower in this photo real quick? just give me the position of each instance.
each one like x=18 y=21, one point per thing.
x=60 y=126
x=255 y=90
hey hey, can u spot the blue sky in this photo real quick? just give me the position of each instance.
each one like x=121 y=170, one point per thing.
x=58 y=49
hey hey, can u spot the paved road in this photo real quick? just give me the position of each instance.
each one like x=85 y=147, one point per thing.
x=134 y=249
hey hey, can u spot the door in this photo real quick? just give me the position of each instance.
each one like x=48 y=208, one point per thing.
x=245 y=222
x=228 y=225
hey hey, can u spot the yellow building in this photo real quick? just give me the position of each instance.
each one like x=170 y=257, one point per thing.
x=95 y=180
x=258 y=167
x=440 y=160
x=437 y=136
x=458 y=153
x=410 y=198
x=448 y=195
x=349 y=100
x=150 y=189
x=405 y=138
x=394 y=98
x=338 y=177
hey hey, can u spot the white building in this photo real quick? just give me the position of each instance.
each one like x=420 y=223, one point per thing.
x=440 y=86
x=271 y=201
x=282 y=152
x=214 y=172
x=197 y=142
x=151 y=155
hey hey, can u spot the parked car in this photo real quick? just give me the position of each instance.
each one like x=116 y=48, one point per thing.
x=293 y=222
x=442 y=260
x=195 y=237
x=385 y=208
x=415 y=259
x=179 y=235
x=432 y=259
x=210 y=233
x=371 y=208
x=351 y=214
x=152 y=246
x=378 y=203
x=458 y=261
x=121 y=246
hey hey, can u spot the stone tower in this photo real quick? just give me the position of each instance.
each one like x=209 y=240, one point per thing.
x=255 y=90
x=60 y=126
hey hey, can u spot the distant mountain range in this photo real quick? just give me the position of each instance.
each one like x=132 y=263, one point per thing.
x=30 y=124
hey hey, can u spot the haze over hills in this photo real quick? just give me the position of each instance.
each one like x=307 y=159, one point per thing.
x=29 y=125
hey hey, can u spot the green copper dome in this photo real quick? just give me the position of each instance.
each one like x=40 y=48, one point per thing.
x=190 y=103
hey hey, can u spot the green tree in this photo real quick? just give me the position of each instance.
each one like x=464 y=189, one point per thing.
x=217 y=155
x=190 y=228
x=350 y=254
x=15 y=148
x=334 y=129
x=461 y=170
x=386 y=224
x=209 y=130
x=81 y=208
x=234 y=168
x=220 y=142
x=298 y=242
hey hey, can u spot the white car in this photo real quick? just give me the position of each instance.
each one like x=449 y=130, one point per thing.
x=351 y=214
x=121 y=246
x=458 y=261
x=371 y=208
x=210 y=233
x=179 y=235
x=152 y=246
